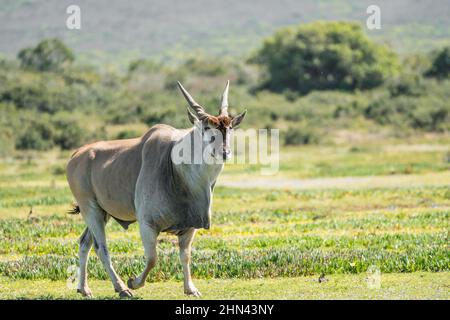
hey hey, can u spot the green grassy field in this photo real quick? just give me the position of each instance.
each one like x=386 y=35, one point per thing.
x=418 y=285
x=265 y=242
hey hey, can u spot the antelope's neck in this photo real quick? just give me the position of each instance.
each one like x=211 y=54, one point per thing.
x=198 y=176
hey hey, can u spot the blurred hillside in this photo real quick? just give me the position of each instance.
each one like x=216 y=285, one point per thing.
x=117 y=31
x=323 y=82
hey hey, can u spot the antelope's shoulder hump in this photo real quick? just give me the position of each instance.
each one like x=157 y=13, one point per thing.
x=162 y=134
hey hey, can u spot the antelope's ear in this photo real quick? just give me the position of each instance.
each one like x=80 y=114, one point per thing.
x=237 y=120
x=192 y=117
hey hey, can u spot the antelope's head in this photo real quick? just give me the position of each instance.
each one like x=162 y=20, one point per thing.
x=217 y=130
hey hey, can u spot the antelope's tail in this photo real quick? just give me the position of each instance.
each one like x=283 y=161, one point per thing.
x=75 y=209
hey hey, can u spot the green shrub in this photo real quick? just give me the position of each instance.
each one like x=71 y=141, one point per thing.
x=58 y=170
x=38 y=136
x=6 y=142
x=430 y=111
x=440 y=65
x=48 y=93
x=144 y=66
x=325 y=55
x=204 y=66
x=127 y=134
x=157 y=117
x=300 y=136
x=48 y=55
x=7 y=126
x=124 y=113
x=348 y=110
x=172 y=77
x=407 y=84
x=69 y=134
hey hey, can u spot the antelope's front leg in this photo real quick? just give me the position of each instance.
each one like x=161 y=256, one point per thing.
x=185 y=242
x=149 y=237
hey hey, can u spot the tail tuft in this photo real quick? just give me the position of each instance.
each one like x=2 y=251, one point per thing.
x=74 y=210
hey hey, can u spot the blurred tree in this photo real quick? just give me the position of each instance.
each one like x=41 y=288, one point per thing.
x=69 y=134
x=205 y=66
x=410 y=84
x=421 y=106
x=417 y=63
x=128 y=134
x=37 y=136
x=172 y=77
x=48 y=55
x=143 y=65
x=7 y=143
x=441 y=64
x=300 y=135
x=324 y=55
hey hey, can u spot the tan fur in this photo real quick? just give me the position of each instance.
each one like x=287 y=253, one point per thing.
x=93 y=172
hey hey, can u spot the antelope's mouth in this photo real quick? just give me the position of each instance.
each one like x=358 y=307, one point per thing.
x=226 y=156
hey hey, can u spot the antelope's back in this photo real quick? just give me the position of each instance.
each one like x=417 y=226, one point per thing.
x=106 y=171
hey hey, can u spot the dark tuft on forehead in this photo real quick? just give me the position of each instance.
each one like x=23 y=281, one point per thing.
x=225 y=121
x=220 y=121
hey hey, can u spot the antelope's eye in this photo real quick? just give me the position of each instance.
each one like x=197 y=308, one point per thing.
x=207 y=128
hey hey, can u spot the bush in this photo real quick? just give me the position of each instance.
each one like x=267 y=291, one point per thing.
x=156 y=117
x=127 y=134
x=172 y=77
x=440 y=65
x=69 y=134
x=6 y=142
x=8 y=114
x=204 y=67
x=124 y=113
x=300 y=136
x=430 y=111
x=321 y=56
x=48 y=55
x=58 y=170
x=38 y=132
x=37 y=136
x=144 y=66
x=47 y=93
x=407 y=84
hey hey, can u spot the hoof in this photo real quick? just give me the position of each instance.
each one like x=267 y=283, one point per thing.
x=131 y=285
x=85 y=292
x=125 y=294
x=193 y=292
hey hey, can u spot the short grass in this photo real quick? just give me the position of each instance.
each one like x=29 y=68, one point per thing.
x=419 y=285
x=264 y=243
x=352 y=160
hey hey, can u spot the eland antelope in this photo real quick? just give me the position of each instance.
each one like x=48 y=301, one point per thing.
x=138 y=180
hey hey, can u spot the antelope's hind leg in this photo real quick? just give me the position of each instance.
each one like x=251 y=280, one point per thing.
x=96 y=218
x=83 y=253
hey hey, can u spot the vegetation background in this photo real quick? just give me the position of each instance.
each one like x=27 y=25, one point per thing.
x=364 y=117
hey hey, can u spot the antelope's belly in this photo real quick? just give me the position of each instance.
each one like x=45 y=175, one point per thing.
x=122 y=210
